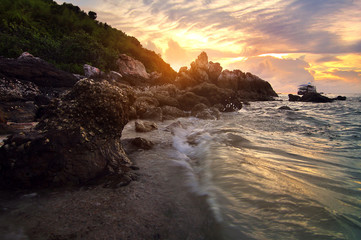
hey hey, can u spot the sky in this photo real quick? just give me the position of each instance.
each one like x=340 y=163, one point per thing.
x=286 y=42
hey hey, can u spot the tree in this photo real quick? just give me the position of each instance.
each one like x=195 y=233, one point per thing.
x=92 y=15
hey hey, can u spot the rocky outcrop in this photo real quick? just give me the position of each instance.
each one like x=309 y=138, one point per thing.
x=240 y=85
x=310 y=97
x=35 y=70
x=128 y=66
x=77 y=140
x=203 y=112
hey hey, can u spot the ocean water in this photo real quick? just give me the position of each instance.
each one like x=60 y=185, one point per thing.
x=276 y=174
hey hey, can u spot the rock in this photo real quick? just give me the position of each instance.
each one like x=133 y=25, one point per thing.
x=165 y=99
x=340 y=98
x=35 y=70
x=128 y=66
x=213 y=93
x=142 y=143
x=77 y=140
x=170 y=113
x=214 y=71
x=154 y=114
x=14 y=90
x=203 y=112
x=201 y=62
x=230 y=79
x=294 y=98
x=142 y=104
x=285 y=108
x=91 y=72
x=315 y=97
x=145 y=126
x=189 y=99
x=115 y=76
x=19 y=111
x=310 y=97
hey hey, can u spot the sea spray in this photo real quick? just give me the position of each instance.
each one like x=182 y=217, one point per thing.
x=193 y=147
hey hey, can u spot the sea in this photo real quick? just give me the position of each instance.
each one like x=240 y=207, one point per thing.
x=268 y=173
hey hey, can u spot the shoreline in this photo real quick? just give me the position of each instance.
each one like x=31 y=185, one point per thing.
x=158 y=205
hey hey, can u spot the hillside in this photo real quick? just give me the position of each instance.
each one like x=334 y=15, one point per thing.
x=68 y=37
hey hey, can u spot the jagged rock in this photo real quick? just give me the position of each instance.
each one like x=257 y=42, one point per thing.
x=142 y=143
x=128 y=66
x=215 y=71
x=145 y=126
x=188 y=100
x=35 y=70
x=230 y=79
x=170 y=113
x=91 y=72
x=77 y=139
x=201 y=62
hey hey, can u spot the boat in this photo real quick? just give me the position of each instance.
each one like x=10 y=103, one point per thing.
x=306 y=88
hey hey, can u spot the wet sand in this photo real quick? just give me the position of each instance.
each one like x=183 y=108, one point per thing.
x=158 y=205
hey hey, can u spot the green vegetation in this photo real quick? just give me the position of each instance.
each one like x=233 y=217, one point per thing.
x=68 y=37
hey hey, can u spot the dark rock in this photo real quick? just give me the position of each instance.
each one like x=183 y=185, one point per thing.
x=145 y=126
x=37 y=71
x=310 y=97
x=143 y=104
x=315 y=97
x=77 y=140
x=284 y=108
x=19 y=111
x=213 y=93
x=189 y=99
x=203 y=112
x=294 y=98
x=340 y=98
x=214 y=71
x=154 y=114
x=15 y=90
x=142 y=143
x=170 y=113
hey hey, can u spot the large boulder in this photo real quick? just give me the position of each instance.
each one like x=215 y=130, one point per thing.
x=188 y=100
x=77 y=140
x=91 y=72
x=32 y=69
x=213 y=93
x=170 y=113
x=128 y=66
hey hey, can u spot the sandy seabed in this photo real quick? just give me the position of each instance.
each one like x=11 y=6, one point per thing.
x=159 y=205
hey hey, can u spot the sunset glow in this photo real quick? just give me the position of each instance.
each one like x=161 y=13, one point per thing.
x=285 y=42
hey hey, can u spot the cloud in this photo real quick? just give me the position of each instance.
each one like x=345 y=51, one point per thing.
x=347 y=76
x=176 y=54
x=151 y=46
x=284 y=74
x=327 y=58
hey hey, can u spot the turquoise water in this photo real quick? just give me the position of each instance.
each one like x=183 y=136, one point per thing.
x=278 y=174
